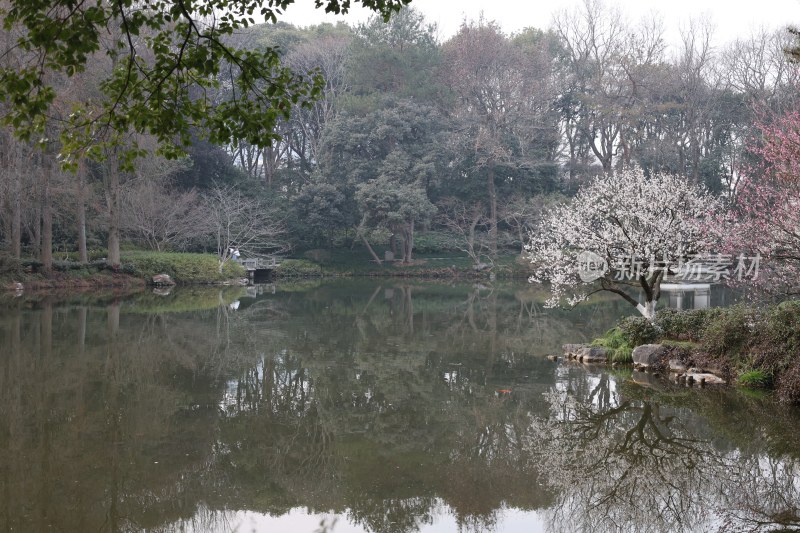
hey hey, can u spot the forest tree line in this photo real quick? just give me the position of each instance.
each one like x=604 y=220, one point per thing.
x=470 y=138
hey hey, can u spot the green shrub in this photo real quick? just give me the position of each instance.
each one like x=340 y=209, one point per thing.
x=782 y=327
x=685 y=325
x=729 y=332
x=620 y=350
x=431 y=242
x=30 y=263
x=62 y=266
x=680 y=345
x=776 y=339
x=182 y=267
x=755 y=379
x=788 y=384
x=94 y=255
x=318 y=255
x=623 y=354
x=637 y=330
x=298 y=268
x=69 y=266
x=10 y=267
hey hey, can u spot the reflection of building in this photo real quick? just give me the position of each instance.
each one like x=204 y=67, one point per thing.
x=253 y=291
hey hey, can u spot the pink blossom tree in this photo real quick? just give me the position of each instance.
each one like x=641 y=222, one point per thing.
x=779 y=149
x=765 y=217
x=621 y=230
x=765 y=221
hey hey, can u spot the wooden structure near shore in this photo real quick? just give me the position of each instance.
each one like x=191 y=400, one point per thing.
x=260 y=267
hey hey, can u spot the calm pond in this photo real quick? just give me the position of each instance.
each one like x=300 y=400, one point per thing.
x=365 y=406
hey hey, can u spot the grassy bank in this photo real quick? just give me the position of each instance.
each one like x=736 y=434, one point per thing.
x=345 y=263
x=65 y=274
x=137 y=268
x=754 y=347
x=183 y=268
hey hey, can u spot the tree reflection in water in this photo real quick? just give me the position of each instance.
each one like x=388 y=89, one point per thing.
x=642 y=462
x=636 y=463
x=374 y=404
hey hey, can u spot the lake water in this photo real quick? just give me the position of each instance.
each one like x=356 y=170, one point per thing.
x=365 y=406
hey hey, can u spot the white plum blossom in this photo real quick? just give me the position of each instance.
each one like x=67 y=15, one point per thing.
x=640 y=228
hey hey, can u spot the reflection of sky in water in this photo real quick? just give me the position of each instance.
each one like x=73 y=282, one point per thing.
x=350 y=399
x=299 y=520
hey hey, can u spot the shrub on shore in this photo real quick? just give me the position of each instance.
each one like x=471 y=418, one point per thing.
x=10 y=267
x=94 y=254
x=181 y=267
x=759 y=347
x=685 y=325
x=755 y=379
x=638 y=330
x=629 y=333
x=729 y=333
x=298 y=268
x=618 y=345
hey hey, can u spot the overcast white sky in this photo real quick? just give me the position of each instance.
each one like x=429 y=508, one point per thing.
x=732 y=18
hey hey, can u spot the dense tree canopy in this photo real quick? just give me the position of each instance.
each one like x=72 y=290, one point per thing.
x=384 y=134
x=164 y=62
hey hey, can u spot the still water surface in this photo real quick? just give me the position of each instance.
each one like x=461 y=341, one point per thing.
x=360 y=406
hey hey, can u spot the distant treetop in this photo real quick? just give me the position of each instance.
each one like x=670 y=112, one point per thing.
x=93 y=71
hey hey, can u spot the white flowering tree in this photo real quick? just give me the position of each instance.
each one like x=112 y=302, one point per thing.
x=621 y=230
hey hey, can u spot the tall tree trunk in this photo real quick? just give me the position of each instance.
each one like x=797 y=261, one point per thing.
x=360 y=233
x=492 y=308
x=492 y=192
x=5 y=205
x=471 y=239
x=409 y=241
x=36 y=229
x=83 y=253
x=403 y=248
x=112 y=202
x=626 y=149
x=46 y=253
x=696 y=162
x=269 y=169
x=371 y=251
x=16 y=217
